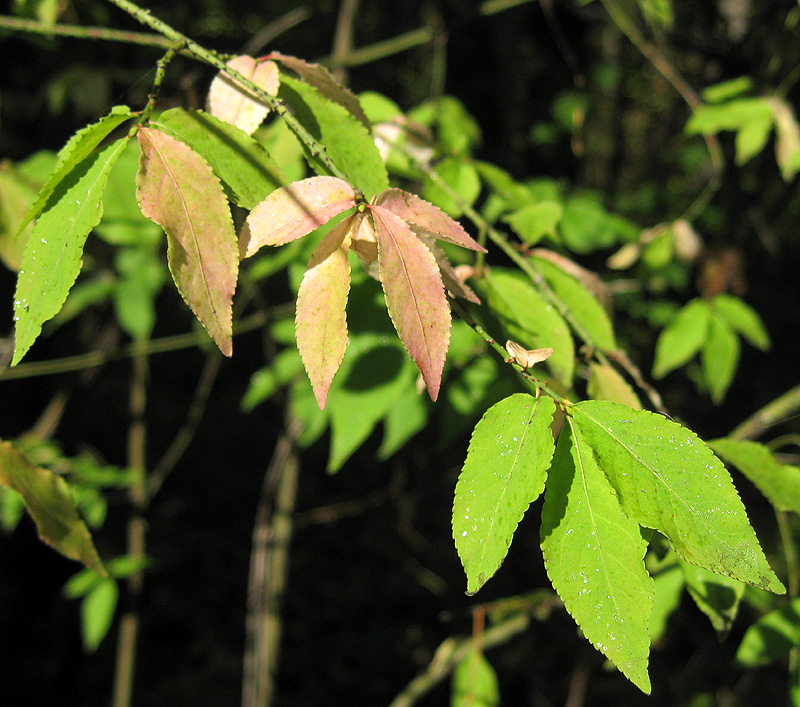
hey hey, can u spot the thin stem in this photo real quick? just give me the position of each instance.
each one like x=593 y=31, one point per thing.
x=660 y=62
x=343 y=37
x=110 y=35
x=381 y=50
x=274 y=29
x=161 y=70
x=770 y=415
x=492 y=7
x=138 y=496
x=212 y=58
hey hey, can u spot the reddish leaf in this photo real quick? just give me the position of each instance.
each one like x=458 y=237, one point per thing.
x=294 y=211
x=320 y=78
x=229 y=101
x=321 y=303
x=424 y=216
x=177 y=189
x=415 y=295
x=453 y=282
x=48 y=500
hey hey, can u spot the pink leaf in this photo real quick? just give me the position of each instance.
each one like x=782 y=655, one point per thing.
x=320 y=78
x=321 y=302
x=294 y=211
x=414 y=295
x=453 y=282
x=229 y=101
x=424 y=216
x=177 y=189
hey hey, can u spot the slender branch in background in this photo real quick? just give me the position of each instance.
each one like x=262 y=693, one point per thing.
x=439 y=49
x=137 y=494
x=212 y=58
x=102 y=33
x=381 y=50
x=773 y=413
x=492 y=7
x=343 y=37
x=269 y=568
x=660 y=62
x=283 y=24
x=161 y=70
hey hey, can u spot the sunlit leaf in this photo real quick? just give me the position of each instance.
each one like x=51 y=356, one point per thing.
x=593 y=553
x=178 y=190
x=97 y=613
x=667 y=479
x=321 y=303
x=53 y=255
x=668 y=586
x=415 y=295
x=294 y=211
x=229 y=101
x=605 y=383
x=245 y=168
x=47 y=498
x=780 y=483
x=752 y=137
x=505 y=470
x=423 y=216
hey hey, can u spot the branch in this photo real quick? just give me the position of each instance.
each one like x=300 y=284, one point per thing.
x=770 y=415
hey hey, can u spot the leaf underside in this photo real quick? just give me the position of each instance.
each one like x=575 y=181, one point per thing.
x=229 y=101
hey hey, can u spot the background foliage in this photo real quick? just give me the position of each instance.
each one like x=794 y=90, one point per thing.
x=557 y=95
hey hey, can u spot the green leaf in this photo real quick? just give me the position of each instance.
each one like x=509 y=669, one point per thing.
x=407 y=416
x=53 y=255
x=683 y=337
x=374 y=373
x=727 y=116
x=582 y=304
x=534 y=221
x=752 y=137
x=780 y=483
x=264 y=382
x=667 y=479
x=742 y=318
x=727 y=89
x=346 y=140
x=474 y=682
x=605 y=383
x=505 y=470
x=772 y=637
x=668 y=587
x=97 y=613
x=178 y=190
x=529 y=319
x=593 y=554
x=462 y=178
x=16 y=197
x=48 y=500
x=70 y=158
x=716 y=596
x=245 y=168
x=142 y=276
x=719 y=357
x=585 y=225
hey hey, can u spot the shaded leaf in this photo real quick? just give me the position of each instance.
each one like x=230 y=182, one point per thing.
x=246 y=169
x=530 y=320
x=53 y=255
x=772 y=637
x=320 y=78
x=16 y=198
x=423 y=216
x=228 y=100
x=589 y=314
x=415 y=295
x=787 y=140
x=504 y=472
x=79 y=147
x=716 y=596
x=177 y=189
x=667 y=479
x=97 y=613
x=474 y=682
x=347 y=142
x=742 y=318
x=294 y=211
x=48 y=500
x=752 y=137
x=605 y=383
x=668 y=587
x=780 y=483
x=534 y=221
x=683 y=337
x=719 y=357
x=407 y=416
x=321 y=305
x=593 y=554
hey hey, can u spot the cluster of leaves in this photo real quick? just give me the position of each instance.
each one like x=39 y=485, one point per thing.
x=611 y=473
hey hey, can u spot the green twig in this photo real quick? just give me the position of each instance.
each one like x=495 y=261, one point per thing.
x=102 y=33
x=161 y=70
x=275 y=104
x=381 y=50
x=770 y=415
